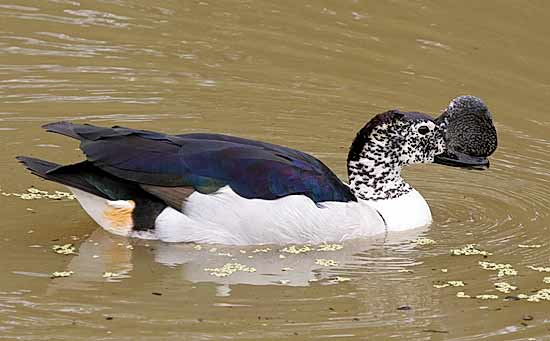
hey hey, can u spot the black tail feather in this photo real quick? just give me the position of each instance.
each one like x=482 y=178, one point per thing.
x=37 y=166
x=65 y=175
x=63 y=128
x=84 y=132
x=85 y=176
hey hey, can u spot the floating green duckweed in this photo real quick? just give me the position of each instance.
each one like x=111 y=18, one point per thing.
x=59 y=274
x=297 y=250
x=456 y=283
x=503 y=269
x=541 y=295
x=505 y=287
x=326 y=262
x=340 y=279
x=469 y=250
x=539 y=268
x=264 y=250
x=35 y=194
x=330 y=247
x=66 y=249
x=449 y=284
x=110 y=274
x=229 y=269
x=487 y=297
x=461 y=294
x=531 y=246
x=423 y=241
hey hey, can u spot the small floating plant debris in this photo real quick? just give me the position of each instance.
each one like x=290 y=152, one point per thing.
x=226 y=254
x=529 y=246
x=487 y=297
x=440 y=286
x=110 y=274
x=456 y=283
x=330 y=247
x=503 y=269
x=546 y=280
x=445 y=270
x=66 y=249
x=469 y=250
x=284 y=281
x=423 y=241
x=229 y=269
x=541 y=295
x=539 y=268
x=297 y=250
x=59 y=274
x=505 y=287
x=197 y=247
x=339 y=279
x=34 y=194
x=326 y=262
x=264 y=250
x=449 y=284
x=461 y=294
x=287 y=269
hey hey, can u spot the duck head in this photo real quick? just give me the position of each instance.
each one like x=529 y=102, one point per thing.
x=399 y=138
x=394 y=139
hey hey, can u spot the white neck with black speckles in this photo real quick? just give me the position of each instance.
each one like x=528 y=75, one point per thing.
x=375 y=177
x=376 y=173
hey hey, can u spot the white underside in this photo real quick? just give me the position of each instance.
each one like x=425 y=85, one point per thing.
x=96 y=207
x=226 y=218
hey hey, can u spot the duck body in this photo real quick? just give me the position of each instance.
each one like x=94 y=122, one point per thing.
x=214 y=188
x=222 y=189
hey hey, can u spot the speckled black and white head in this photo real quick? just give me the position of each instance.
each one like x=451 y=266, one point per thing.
x=388 y=142
x=463 y=136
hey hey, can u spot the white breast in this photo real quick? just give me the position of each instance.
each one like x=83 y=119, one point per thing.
x=227 y=218
x=406 y=212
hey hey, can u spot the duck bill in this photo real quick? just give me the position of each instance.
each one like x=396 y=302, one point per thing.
x=457 y=159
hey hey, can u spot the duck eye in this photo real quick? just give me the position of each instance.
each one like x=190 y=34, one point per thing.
x=423 y=130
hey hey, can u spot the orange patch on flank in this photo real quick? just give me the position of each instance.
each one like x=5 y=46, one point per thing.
x=120 y=217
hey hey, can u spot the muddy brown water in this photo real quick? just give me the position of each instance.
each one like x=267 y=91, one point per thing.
x=302 y=74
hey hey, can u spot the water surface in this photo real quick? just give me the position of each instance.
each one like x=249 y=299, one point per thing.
x=303 y=74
